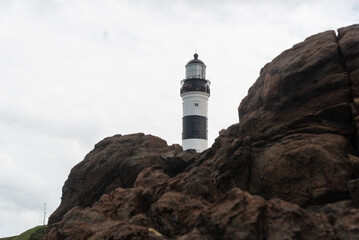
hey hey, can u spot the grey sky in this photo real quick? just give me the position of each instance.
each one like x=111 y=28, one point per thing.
x=73 y=72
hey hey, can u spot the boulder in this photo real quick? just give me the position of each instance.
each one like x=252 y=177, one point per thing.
x=296 y=139
x=115 y=162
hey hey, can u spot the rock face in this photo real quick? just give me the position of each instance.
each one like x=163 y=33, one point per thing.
x=288 y=170
x=115 y=162
x=297 y=132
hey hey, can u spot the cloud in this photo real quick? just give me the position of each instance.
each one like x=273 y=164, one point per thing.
x=21 y=190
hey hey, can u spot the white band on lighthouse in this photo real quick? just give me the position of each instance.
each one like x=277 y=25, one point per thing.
x=195 y=93
x=195 y=103
x=197 y=144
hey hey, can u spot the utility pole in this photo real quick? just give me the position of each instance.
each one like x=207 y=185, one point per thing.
x=44 y=213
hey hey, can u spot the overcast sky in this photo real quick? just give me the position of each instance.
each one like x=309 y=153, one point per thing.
x=73 y=72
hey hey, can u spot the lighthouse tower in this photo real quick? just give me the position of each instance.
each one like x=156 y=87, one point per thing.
x=195 y=93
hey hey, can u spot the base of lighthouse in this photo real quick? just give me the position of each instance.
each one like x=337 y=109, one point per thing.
x=194 y=121
x=197 y=144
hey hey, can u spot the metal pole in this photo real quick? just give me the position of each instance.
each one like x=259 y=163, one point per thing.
x=44 y=213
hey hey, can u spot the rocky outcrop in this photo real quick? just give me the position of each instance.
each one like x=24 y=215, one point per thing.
x=296 y=138
x=288 y=170
x=115 y=162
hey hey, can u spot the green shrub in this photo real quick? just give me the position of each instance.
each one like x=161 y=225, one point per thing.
x=38 y=234
x=35 y=233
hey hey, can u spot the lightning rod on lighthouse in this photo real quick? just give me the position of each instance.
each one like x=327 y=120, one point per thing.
x=195 y=93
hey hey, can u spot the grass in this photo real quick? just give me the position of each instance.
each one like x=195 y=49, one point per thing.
x=35 y=233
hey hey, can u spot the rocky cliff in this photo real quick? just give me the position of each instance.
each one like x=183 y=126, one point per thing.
x=288 y=170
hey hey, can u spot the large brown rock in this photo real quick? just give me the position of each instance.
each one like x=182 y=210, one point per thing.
x=349 y=49
x=296 y=134
x=304 y=89
x=288 y=170
x=118 y=215
x=346 y=224
x=115 y=162
x=240 y=215
x=237 y=215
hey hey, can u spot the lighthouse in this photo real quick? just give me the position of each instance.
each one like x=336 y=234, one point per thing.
x=195 y=93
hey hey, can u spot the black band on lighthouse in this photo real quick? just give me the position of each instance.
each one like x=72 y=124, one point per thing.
x=194 y=126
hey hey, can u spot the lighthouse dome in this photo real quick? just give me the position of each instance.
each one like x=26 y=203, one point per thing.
x=195 y=68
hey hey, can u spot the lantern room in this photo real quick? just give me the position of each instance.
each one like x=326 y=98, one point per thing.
x=195 y=69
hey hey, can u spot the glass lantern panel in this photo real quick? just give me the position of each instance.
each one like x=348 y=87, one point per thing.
x=195 y=71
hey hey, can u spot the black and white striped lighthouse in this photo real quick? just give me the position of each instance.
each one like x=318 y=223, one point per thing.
x=195 y=93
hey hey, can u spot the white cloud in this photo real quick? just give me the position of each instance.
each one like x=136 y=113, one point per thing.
x=74 y=72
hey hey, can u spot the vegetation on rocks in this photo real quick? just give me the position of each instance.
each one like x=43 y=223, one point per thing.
x=35 y=233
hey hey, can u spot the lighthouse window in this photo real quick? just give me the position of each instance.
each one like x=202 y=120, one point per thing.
x=196 y=104
x=195 y=71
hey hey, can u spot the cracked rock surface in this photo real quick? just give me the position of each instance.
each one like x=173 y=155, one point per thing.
x=288 y=170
